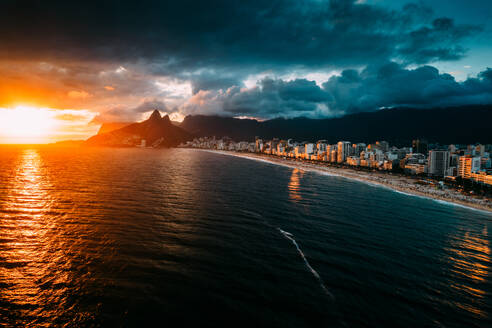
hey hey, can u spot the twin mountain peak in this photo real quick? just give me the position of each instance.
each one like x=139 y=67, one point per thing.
x=156 y=117
x=156 y=131
x=464 y=124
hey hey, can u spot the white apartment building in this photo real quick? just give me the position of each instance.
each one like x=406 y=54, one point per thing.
x=438 y=162
x=343 y=151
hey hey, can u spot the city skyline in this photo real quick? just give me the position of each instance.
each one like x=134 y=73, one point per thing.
x=460 y=174
x=421 y=158
x=230 y=163
x=70 y=68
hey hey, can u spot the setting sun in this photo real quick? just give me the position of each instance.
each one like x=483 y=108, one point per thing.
x=27 y=124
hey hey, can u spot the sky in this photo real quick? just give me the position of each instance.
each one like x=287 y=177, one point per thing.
x=84 y=63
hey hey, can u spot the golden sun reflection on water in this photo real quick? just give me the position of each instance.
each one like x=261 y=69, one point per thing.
x=471 y=262
x=294 y=185
x=25 y=245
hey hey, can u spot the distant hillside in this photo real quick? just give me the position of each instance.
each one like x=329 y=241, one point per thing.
x=157 y=131
x=108 y=127
x=68 y=143
x=465 y=124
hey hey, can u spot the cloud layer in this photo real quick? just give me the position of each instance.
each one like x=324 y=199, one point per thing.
x=121 y=58
x=386 y=85
x=227 y=33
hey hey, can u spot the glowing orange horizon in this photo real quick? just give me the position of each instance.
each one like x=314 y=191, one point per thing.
x=25 y=124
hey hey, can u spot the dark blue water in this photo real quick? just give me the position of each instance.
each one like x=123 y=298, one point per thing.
x=133 y=237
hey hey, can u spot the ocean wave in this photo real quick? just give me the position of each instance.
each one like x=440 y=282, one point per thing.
x=290 y=237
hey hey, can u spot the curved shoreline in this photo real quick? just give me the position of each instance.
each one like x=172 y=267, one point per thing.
x=366 y=178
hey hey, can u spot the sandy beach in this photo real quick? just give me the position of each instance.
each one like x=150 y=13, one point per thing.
x=403 y=184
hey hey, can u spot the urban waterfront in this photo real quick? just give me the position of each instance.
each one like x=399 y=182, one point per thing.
x=467 y=163
x=454 y=173
x=104 y=237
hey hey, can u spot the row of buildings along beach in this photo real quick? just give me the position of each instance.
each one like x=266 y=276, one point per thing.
x=450 y=162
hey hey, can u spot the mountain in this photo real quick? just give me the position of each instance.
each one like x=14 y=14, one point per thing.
x=67 y=143
x=156 y=131
x=464 y=124
x=111 y=126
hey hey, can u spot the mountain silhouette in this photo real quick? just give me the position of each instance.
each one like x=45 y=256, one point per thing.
x=464 y=124
x=111 y=126
x=157 y=131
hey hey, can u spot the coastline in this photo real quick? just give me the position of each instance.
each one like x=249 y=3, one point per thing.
x=398 y=184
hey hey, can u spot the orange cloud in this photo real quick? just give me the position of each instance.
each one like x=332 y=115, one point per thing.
x=109 y=88
x=78 y=94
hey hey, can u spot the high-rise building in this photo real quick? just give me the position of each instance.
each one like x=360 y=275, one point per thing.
x=485 y=162
x=333 y=154
x=344 y=148
x=321 y=146
x=281 y=147
x=468 y=165
x=419 y=146
x=309 y=148
x=438 y=162
x=298 y=151
x=470 y=150
x=454 y=160
x=383 y=145
x=258 y=144
x=479 y=149
x=358 y=148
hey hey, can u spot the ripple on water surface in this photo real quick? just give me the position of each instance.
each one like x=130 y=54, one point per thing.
x=104 y=237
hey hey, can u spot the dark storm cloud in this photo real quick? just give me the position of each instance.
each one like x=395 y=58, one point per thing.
x=270 y=98
x=392 y=85
x=188 y=35
x=437 y=42
x=387 y=85
x=213 y=81
x=276 y=97
x=120 y=58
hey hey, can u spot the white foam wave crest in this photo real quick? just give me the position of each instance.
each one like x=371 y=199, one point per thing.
x=290 y=237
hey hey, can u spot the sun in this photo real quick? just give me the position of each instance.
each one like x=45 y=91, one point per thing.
x=25 y=124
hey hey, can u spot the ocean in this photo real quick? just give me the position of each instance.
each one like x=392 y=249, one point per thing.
x=181 y=237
